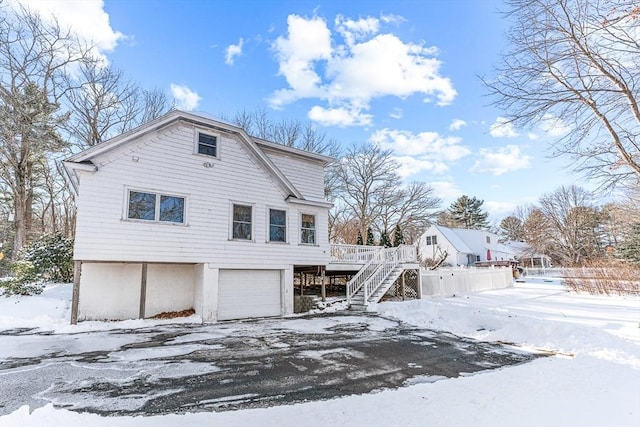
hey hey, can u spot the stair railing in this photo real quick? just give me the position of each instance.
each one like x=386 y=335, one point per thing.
x=374 y=272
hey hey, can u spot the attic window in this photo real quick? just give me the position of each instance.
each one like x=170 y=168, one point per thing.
x=431 y=240
x=488 y=239
x=207 y=144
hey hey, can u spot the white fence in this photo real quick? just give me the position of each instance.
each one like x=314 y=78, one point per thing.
x=446 y=282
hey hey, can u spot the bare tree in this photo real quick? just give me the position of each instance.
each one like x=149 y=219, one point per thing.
x=572 y=225
x=411 y=207
x=292 y=133
x=575 y=65
x=368 y=191
x=105 y=104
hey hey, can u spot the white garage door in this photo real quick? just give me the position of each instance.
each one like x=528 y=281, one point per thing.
x=248 y=293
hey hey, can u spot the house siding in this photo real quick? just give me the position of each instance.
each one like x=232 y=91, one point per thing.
x=164 y=162
x=306 y=175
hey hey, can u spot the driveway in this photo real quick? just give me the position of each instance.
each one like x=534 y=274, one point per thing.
x=174 y=368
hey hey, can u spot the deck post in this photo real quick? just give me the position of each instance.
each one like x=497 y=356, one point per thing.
x=75 y=298
x=323 y=288
x=402 y=289
x=143 y=290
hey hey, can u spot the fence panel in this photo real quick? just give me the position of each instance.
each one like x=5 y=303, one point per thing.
x=446 y=282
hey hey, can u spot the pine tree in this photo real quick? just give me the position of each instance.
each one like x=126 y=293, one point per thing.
x=398 y=237
x=630 y=248
x=384 y=240
x=370 y=240
x=359 y=240
x=467 y=212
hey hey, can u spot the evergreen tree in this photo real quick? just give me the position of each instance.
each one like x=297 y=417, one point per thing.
x=370 y=240
x=384 y=240
x=398 y=237
x=630 y=248
x=512 y=228
x=467 y=212
x=359 y=241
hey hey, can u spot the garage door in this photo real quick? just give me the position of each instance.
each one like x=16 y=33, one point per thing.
x=248 y=293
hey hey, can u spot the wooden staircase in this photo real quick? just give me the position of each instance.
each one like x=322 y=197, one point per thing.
x=376 y=277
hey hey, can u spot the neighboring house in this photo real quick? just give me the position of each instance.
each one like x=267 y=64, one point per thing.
x=527 y=257
x=187 y=212
x=460 y=246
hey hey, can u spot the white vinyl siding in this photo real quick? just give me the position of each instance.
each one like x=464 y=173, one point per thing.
x=306 y=175
x=165 y=164
x=249 y=293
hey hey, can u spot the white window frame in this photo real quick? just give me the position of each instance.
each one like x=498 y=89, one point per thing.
x=268 y=225
x=196 y=145
x=315 y=229
x=253 y=221
x=158 y=194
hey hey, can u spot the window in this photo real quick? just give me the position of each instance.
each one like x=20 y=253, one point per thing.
x=155 y=207
x=488 y=239
x=308 y=229
x=277 y=225
x=207 y=144
x=241 y=222
x=431 y=240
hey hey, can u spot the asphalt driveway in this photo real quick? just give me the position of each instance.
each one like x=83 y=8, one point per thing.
x=174 y=368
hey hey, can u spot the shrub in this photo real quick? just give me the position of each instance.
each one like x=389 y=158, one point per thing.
x=52 y=257
x=604 y=277
x=25 y=280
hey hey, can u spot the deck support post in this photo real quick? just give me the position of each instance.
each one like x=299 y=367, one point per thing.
x=402 y=288
x=75 y=298
x=143 y=291
x=323 y=288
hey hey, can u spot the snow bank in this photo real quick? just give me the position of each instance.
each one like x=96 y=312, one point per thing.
x=595 y=382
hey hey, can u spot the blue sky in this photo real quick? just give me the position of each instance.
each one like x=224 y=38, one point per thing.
x=402 y=74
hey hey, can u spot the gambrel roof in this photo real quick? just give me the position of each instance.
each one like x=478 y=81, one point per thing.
x=254 y=146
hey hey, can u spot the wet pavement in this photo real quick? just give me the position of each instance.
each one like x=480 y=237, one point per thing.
x=176 y=368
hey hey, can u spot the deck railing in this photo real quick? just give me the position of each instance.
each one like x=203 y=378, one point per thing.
x=353 y=254
x=374 y=272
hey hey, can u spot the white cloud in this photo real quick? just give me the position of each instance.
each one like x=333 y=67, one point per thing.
x=309 y=40
x=390 y=18
x=186 y=99
x=419 y=152
x=233 y=50
x=446 y=190
x=532 y=136
x=367 y=65
x=457 y=124
x=554 y=126
x=86 y=18
x=339 y=116
x=396 y=113
x=353 y=31
x=500 y=209
x=503 y=160
x=502 y=128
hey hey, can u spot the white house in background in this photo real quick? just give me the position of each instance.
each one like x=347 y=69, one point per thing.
x=187 y=212
x=460 y=246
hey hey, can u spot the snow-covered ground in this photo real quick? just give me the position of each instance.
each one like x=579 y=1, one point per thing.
x=593 y=381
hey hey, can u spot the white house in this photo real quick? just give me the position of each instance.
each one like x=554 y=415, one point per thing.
x=187 y=212
x=461 y=246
